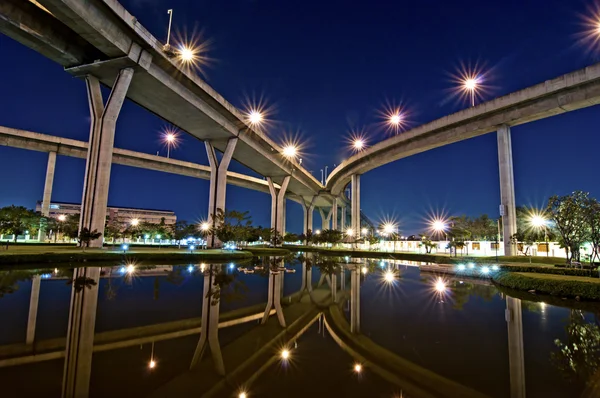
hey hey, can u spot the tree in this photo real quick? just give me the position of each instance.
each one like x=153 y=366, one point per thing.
x=233 y=225
x=15 y=220
x=181 y=230
x=70 y=227
x=427 y=243
x=113 y=229
x=86 y=236
x=290 y=237
x=592 y=214
x=569 y=215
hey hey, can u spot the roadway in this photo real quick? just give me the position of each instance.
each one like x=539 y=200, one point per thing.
x=576 y=90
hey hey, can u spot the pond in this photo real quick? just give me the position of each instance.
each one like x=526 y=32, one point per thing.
x=146 y=329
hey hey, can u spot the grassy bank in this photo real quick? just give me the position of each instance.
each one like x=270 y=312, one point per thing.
x=556 y=285
x=44 y=255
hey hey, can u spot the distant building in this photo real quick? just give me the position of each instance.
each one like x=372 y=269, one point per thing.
x=119 y=214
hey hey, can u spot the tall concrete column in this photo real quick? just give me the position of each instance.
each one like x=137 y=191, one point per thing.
x=308 y=215
x=33 y=309
x=100 y=151
x=355 y=210
x=325 y=218
x=343 y=219
x=209 y=333
x=334 y=215
x=278 y=205
x=355 y=299
x=507 y=190
x=218 y=184
x=80 y=332
x=46 y=199
x=48 y=184
x=516 y=356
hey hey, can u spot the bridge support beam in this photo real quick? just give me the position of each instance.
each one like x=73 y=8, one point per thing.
x=100 y=151
x=278 y=205
x=47 y=191
x=325 y=218
x=334 y=215
x=80 y=332
x=516 y=357
x=209 y=333
x=274 y=297
x=308 y=208
x=33 y=309
x=343 y=218
x=355 y=299
x=218 y=185
x=355 y=204
x=507 y=190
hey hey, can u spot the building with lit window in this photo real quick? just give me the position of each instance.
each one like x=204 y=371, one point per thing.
x=119 y=214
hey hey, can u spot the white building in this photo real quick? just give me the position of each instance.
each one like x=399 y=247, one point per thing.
x=119 y=214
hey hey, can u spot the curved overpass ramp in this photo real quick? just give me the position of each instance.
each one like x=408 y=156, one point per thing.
x=566 y=93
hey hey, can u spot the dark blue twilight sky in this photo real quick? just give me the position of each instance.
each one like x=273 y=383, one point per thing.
x=329 y=66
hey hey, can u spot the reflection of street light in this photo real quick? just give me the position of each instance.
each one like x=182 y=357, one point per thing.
x=357 y=367
x=440 y=285
x=285 y=355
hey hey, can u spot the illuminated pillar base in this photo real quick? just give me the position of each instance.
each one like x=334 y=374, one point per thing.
x=209 y=334
x=80 y=332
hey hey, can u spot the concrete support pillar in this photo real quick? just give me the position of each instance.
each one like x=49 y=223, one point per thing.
x=334 y=215
x=80 y=332
x=507 y=190
x=209 y=334
x=325 y=218
x=274 y=297
x=278 y=205
x=355 y=210
x=47 y=198
x=308 y=215
x=343 y=219
x=100 y=151
x=33 y=309
x=48 y=184
x=516 y=357
x=355 y=299
x=334 y=286
x=218 y=185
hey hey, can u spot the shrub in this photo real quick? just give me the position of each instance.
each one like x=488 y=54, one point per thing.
x=550 y=270
x=550 y=285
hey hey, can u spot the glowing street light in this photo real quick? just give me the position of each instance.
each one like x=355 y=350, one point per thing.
x=358 y=144
x=364 y=231
x=242 y=394
x=395 y=120
x=170 y=139
x=62 y=218
x=187 y=54
x=350 y=232
x=470 y=85
x=357 y=367
x=290 y=151
x=318 y=232
x=388 y=228
x=204 y=226
x=538 y=221
x=135 y=222
x=152 y=364
x=285 y=354
x=255 y=117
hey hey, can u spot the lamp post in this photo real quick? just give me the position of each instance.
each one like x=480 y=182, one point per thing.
x=538 y=222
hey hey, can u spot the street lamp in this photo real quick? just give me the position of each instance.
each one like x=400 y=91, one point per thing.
x=538 y=221
x=135 y=222
x=358 y=144
x=170 y=139
x=290 y=151
x=255 y=118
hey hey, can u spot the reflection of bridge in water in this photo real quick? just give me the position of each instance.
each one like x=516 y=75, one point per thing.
x=295 y=314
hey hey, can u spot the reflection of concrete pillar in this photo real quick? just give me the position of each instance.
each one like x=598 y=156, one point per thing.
x=278 y=205
x=343 y=279
x=334 y=287
x=355 y=299
x=355 y=210
x=274 y=297
x=343 y=219
x=334 y=215
x=218 y=184
x=80 y=332
x=516 y=357
x=100 y=151
x=33 y=308
x=209 y=333
x=507 y=189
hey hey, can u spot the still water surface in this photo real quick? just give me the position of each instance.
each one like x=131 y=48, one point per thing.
x=459 y=332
